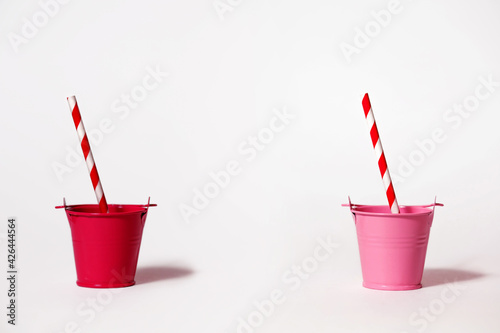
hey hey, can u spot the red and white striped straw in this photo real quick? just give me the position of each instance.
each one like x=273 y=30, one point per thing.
x=87 y=153
x=379 y=151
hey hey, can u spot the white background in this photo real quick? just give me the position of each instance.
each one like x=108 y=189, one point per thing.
x=226 y=75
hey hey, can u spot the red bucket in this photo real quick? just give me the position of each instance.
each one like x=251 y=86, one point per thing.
x=106 y=245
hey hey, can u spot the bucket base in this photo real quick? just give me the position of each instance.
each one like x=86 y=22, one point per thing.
x=98 y=285
x=391 y=287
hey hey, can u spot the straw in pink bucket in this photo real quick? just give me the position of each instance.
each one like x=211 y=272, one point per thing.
x=392 y=239
x=379 y=151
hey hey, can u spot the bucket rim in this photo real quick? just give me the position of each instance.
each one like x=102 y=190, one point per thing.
x=428 y=209
x=355 y=210
x=73 y=209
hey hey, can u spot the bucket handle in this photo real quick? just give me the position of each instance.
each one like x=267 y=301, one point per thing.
x=351 y=206
x=149 y=204
x=147 y=209
x=434 y=204
x=434 y=208
x=64 y=204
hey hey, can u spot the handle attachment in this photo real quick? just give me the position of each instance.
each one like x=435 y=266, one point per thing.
x=64 y=204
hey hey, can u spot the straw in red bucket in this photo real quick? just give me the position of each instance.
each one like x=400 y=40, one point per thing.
x=87 y=153
x=379 y=151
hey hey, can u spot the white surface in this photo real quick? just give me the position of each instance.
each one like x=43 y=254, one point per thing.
x=225 y=78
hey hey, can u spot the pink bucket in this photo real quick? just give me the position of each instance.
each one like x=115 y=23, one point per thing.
x=106 y=245
x=392 y=247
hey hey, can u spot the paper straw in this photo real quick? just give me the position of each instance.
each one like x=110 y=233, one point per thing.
x=87 y=153
x=379 y=151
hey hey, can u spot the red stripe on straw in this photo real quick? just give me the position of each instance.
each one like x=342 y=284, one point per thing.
x=103 y=205
x=391 y=196
x=87 y=153
x=382 y=163
x=94 y=177
x=366 y=104
x=76 y=115
x=85 y=146
x=374 y=135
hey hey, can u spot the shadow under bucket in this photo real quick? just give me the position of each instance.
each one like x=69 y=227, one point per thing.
x=392 y=247
x=106 y=245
